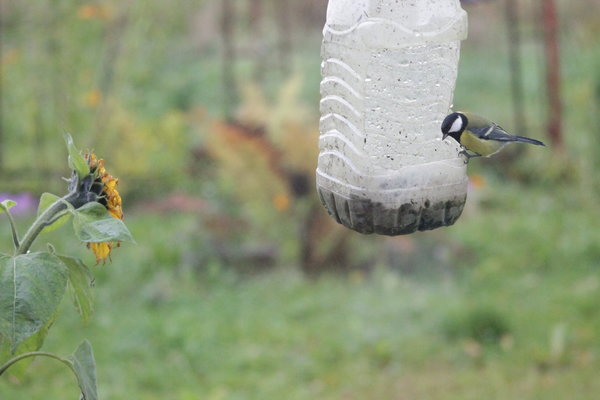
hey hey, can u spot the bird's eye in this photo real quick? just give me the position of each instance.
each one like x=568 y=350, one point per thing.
x=449 y=122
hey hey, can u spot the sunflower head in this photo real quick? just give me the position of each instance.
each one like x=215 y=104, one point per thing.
x=103 y=187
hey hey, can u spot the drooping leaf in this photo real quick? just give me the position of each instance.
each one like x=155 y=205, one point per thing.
x=76 y=160
x=93 y=223
x=105 y=230
x=92 y=211
x=31 y=288
x=80 y=283
x=33 y=343
x=82 y=362
x=46 y=200
x=7 y=205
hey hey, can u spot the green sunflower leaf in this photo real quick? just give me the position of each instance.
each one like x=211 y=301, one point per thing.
x=31 y=288
x=83 y=364
x=93 y=223
x=6 y=205
x=81 y=282
x=32 y=343
x=46 y=200
x=76 y=160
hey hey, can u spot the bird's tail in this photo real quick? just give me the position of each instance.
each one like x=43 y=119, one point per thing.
x=529 y=140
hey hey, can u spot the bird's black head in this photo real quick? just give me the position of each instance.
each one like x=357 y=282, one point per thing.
x=454 y=125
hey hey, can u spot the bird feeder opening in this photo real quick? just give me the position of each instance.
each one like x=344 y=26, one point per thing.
x=389 y=68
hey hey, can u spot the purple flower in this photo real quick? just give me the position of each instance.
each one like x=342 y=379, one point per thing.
x=26 y=202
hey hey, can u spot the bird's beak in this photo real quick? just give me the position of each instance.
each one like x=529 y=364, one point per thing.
x=444 y=136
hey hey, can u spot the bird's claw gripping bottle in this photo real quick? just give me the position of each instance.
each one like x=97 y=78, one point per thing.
x=388 y=73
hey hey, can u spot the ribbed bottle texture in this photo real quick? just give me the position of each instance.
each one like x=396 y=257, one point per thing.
x=389 y=68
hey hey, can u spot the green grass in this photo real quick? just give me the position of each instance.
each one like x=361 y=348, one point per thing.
x=166 y=328
x=502 y=305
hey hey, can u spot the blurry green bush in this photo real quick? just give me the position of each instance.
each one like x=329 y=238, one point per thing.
x=485 y=325
x=265 y=162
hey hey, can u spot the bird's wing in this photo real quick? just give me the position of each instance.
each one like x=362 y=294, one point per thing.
x=493 y=132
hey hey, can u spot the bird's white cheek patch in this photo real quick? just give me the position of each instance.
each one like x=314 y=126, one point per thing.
x=456 y=126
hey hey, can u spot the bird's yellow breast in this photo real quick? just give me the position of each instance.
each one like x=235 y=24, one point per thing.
x=480 y=146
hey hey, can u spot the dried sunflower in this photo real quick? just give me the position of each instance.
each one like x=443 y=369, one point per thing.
x=105 y=186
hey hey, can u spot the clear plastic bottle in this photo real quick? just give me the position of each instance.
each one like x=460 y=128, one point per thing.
x=389 y=69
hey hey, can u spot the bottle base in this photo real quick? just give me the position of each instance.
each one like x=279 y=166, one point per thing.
x=366 y=216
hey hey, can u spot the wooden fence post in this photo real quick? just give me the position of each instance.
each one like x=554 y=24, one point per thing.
x=228 y=57
x=550 y=21
x=516 y=74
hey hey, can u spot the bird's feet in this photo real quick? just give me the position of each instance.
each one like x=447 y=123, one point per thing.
x=468 y=156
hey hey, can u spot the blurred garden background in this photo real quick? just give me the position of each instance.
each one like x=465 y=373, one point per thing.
x=240 y=286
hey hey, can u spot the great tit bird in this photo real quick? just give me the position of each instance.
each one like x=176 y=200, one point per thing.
x=478 y=135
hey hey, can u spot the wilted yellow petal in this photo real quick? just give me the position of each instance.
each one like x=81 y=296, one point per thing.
x=101 y=250
x=110 y=198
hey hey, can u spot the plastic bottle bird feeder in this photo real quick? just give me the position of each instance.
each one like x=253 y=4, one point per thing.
x=389 y=69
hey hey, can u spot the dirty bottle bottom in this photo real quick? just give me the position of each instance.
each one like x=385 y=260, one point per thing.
x=388 y=218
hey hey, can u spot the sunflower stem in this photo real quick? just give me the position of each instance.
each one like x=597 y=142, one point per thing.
x=45 y=219
x=58 y=216
x=20 y=357
x=4 y=367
